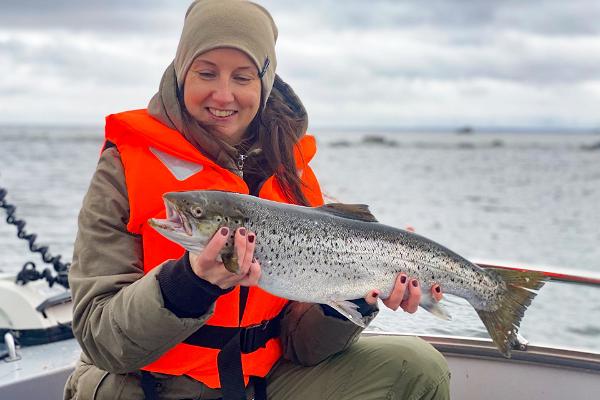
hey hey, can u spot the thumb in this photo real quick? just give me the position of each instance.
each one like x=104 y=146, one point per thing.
x=372 y=296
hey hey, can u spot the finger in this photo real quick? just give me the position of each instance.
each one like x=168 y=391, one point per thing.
x=395 y=298
x=414 y=297
x=241 y=242
x=436 y=292
x=250 y=245
x=371 y=297
x=215 y=244
x=251 y=279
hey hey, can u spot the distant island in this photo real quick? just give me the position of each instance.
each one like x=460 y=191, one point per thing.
x=465 y=130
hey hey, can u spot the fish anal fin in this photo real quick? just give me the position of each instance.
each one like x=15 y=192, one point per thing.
x=348 y=310
x=359 y=212
x=429 y=304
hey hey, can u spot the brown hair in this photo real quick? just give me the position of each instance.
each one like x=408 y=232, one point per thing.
x=276 y=130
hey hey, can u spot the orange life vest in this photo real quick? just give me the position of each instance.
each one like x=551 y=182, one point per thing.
x=138 y=136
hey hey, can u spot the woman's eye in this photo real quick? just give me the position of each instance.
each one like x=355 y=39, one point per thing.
x=243 y=79
x=206 y=75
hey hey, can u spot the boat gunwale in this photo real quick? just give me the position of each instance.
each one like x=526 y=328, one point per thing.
x=480 y=348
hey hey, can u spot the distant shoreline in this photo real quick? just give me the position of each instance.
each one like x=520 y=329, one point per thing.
x=476 y=130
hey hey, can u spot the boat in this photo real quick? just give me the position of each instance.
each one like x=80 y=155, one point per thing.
x=39 y=351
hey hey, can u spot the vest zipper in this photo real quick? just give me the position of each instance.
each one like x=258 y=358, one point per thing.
x=240 y=163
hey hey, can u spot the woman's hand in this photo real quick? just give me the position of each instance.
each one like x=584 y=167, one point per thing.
x=206 y=266
x=399 y=297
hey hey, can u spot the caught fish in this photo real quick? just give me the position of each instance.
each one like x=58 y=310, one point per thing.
x=337 y=252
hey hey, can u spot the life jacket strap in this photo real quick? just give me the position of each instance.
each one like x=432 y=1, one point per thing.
x=251 y=338
x=232 y=342
x=149 y=383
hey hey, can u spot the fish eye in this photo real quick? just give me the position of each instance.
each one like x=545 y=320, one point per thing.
x=196 y=211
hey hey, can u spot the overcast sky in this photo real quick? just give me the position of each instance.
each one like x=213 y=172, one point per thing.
x=533 y=63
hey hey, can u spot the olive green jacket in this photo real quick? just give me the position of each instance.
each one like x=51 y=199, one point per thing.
x=119 y=317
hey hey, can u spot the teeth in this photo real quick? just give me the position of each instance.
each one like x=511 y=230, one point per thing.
x=221 y=113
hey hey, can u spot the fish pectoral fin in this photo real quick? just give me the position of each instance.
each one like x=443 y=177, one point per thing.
x=348 y=310
x=230 y=260
x=429 y=304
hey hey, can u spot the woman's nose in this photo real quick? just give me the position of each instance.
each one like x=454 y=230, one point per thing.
x=222 y=92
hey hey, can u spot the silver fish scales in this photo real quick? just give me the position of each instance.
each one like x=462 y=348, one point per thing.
x=338 y=252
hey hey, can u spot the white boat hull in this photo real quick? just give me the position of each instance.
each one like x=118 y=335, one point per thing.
x=478 y=371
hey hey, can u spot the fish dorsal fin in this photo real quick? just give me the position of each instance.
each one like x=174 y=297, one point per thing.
x=351 y=211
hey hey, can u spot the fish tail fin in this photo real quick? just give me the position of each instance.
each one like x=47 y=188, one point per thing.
x=503 y=323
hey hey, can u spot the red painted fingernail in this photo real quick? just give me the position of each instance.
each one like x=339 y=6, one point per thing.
x=251 y=238
x=242 y=231
x=374 y=295
x=437 y=289
x=224 y=231
x=403 y=279
x=415 y=283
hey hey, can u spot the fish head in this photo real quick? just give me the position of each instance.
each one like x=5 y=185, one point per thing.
x=193 y=217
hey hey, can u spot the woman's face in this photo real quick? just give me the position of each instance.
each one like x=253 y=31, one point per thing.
x=222 y=92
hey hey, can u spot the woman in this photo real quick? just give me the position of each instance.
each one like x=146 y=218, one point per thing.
x=155 y=322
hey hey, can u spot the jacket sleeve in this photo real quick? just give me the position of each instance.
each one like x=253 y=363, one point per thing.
x=309 y=336
x=119 y=314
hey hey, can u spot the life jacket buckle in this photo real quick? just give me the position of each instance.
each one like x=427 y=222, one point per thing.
x=252 y=337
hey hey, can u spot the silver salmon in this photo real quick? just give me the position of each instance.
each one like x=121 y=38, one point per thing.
x=338 y=252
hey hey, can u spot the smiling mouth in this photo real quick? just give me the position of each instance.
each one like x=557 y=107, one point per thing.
x=220 y=113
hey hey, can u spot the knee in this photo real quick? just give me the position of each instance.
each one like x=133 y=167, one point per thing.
x=413 y=366
x=426 y=359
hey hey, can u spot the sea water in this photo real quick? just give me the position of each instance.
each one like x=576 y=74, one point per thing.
x=529 y=199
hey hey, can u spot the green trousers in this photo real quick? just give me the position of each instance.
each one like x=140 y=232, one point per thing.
x=374 y=368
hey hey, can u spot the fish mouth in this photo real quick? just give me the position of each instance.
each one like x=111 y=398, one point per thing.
x=176 y=221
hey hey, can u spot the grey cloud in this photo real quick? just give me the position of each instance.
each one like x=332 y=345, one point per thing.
x=75 y=63
x=413 y=60
x=573 y=17
x=535 y=69
x=93 y=15
x=559 y=17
